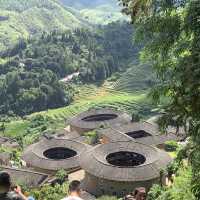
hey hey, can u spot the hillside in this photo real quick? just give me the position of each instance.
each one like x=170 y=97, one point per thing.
x=22 y=19
x=19 y=18
x=103 y=14
x=87 y=96
x=97 y=11
x=137 y=77
x=34 y=67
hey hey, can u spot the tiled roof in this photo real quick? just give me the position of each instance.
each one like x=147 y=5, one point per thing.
x=121 y=118
x=153 y=136
x=25 y=177
x=94 y=162
x=34 y=156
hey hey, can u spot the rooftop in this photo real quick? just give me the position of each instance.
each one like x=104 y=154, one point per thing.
x=142 y=132
x=130 y=161
x=96 y=118
x=54 y=154
x=25 y=177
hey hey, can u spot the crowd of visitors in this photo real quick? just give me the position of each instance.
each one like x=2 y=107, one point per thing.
x=8 y=191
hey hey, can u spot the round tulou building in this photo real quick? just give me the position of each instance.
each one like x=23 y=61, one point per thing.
x=119 y=167
x=142 y=132
x=97 y=118
x=51 y=155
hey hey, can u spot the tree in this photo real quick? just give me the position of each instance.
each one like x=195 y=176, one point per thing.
x=61 y=176
x=170 y=33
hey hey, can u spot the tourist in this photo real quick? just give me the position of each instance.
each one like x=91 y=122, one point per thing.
x=74 y=191
x=5 y=189
x=140 y=193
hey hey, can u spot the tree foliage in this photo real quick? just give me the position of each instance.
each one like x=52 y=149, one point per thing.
x=48 y=192
x=30 y=80
x=171 y=30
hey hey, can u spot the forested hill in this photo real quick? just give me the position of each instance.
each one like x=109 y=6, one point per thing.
x=29 y=81
x=22 y=18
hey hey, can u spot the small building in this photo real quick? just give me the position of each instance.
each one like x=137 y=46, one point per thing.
x=51 y=155
x=142 y=132
x=97 y=118
x=25 y=177
x=117 y=168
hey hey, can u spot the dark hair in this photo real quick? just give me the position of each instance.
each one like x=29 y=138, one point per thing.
x=138 y=190
x=74 y=186
x=5 y=180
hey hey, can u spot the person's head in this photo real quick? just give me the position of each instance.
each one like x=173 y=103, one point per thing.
x=74 y=187
x=5 y=182
x=140 y=193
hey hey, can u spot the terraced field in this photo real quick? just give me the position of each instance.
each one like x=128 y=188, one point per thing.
x=137 y=77
x=88 y=96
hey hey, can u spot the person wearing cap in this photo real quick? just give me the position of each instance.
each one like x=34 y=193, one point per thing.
x=5 y=189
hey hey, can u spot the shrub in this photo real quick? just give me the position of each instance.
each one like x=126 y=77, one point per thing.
x=171 y=146
x=61 y=176
x=172 y=168
x=92 y=137
x=50 y=193
x=155 y=192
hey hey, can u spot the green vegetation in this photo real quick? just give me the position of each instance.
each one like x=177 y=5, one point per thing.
x=170 y=31
x=89 y=96
x=103 y=14
x=29 y=81
x=92 y=137
x=20 y=19
x=180 y=190
x=137 y=77
x=23 y=19
x=49 y=192
x=171 y=146
x=61 y=175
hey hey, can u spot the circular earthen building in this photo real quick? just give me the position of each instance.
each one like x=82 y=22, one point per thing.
x=97 y=118
x=118 y=168
x=51 y=155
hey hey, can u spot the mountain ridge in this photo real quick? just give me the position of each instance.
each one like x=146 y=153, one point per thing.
x=25 y=18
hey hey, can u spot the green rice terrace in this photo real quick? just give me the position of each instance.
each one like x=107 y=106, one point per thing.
x=88 y=96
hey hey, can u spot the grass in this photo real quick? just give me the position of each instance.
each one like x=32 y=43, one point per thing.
x=16 y=128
